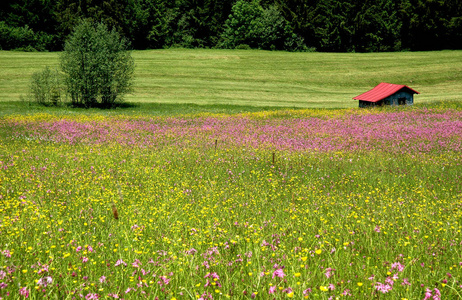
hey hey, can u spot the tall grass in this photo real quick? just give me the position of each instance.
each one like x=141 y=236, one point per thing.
x=273 y=204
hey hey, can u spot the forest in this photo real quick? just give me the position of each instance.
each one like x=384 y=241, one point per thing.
x=291 y=25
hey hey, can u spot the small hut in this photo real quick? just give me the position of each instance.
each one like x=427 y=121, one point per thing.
x=387 y=94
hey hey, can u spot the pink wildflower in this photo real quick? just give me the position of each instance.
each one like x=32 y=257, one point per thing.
x=102 y=279
x=136 y=263
x=279 y=273
x=405 y=282
x=191 y=251
x=272 y=290
x=428 y=294
x=92 y=296
x=437 y=295
x=24 y=292
x=389 y=281
x=120 y=262
x=384 y=288
x=398 y=266
x=214 y=275
x=164 y=280
x=44 y=281
x=329 y=272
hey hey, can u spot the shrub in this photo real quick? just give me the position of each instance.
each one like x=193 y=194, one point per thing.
x=97 y=65
x=46 y=87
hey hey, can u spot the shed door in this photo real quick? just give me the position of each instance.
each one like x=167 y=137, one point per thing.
x=402 y=101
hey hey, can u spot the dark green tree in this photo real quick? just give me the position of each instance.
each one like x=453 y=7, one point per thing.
x=97 y=65
x=433 y=25
x=327 y=25
x=146 y=23
x=304 y=17
x=23 y=18
x=264 y=28
x=244 y=25
x=197 y=23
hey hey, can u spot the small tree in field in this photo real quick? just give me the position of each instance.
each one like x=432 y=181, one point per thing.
x=98 y=66
x=46 y=87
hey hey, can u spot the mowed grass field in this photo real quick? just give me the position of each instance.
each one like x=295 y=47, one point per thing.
x=262 y=78
x=226 y=178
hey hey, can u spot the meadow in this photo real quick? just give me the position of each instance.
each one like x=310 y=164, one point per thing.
x=262 y=78
x=236 y=174
x=321 y=204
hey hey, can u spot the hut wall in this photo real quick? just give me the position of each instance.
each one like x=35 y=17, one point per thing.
x=394 y=99
x=363 y=104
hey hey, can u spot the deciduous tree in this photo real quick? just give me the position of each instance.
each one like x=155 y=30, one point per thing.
x=97 y=64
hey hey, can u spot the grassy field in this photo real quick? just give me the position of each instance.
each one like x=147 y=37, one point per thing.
x=214 y=182
x=262 y=78
x=302 y=204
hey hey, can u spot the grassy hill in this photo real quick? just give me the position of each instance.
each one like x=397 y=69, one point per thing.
x=262 y=78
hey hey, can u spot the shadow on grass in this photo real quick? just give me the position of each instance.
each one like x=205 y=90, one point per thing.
x=130 y=108
x=102 y=106
x=165 y=109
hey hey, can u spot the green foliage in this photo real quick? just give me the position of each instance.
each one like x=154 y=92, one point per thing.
x=277 y=33
x=15 y=37
x=196 y=23
x=98 y=67
x=46 y=87
x=24 y=38
x=147 y=24
x=250 y=24
x=244 y=25
x=329 y=25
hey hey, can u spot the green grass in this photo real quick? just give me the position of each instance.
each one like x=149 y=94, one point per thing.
x=343 y=221
x=262 y=78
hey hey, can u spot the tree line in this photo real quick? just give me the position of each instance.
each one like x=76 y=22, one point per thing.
x=293 y=25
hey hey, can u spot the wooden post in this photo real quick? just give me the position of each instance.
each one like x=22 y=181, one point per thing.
x=274 y=157
x=216 y=144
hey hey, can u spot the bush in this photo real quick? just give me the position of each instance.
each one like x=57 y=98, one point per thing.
x=46 y=87
x=97 y=65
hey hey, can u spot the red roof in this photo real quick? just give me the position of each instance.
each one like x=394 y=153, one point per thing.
x=382 y=91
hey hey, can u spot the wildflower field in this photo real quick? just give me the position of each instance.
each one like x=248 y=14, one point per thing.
x=281 y=204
